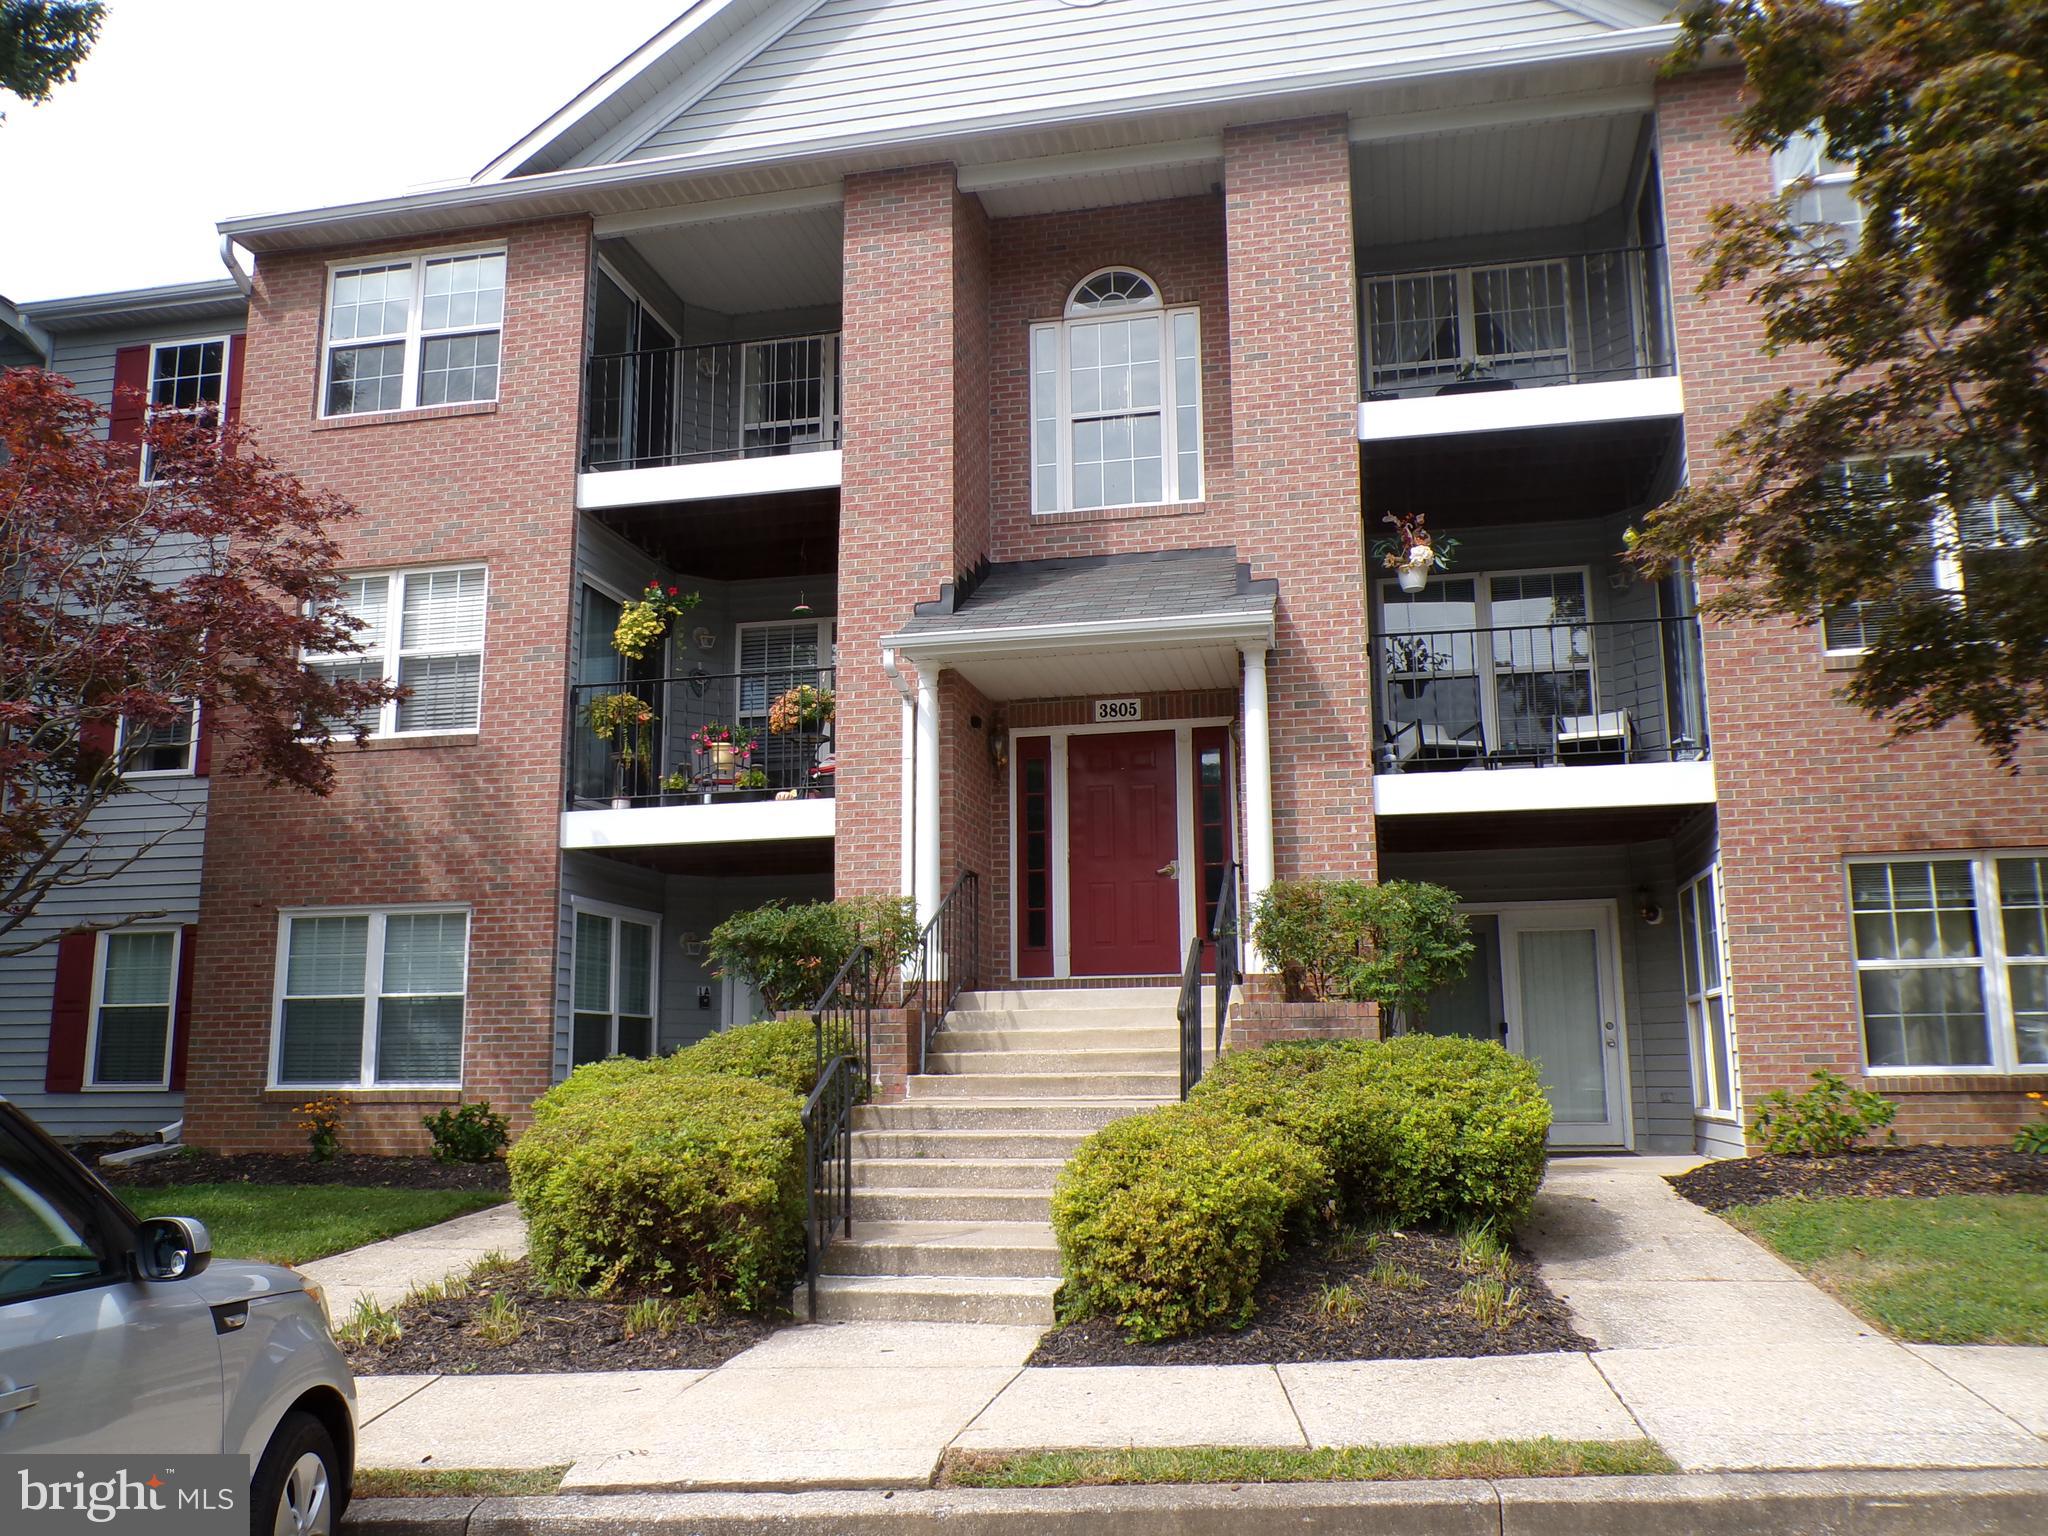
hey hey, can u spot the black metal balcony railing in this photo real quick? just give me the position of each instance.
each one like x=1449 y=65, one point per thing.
x=731 y=400
x=1577 y=319
x=706 y=740
x=1618 y=691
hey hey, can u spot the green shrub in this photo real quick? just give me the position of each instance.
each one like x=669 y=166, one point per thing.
x=783 y=1052
x=1420 y=1129
x=1393 y=944
x=1830 y=1118
x=468 y=1133
x=1167 y=1219
x=2034 y=1138
x=644 y=1179
x=790 y=952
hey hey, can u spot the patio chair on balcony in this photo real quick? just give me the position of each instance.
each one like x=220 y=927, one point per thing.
x=1413 y=746
x=1607 y=736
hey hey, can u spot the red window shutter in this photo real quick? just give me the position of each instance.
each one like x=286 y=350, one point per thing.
x=96 y=737
x=70 y=1013
x=131 y=396
x=231 y=407
x=181 y=1009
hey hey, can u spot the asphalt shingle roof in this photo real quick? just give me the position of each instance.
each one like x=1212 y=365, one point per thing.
x=1176 y=583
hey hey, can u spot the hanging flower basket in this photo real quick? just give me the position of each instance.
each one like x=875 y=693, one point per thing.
x=645 y=620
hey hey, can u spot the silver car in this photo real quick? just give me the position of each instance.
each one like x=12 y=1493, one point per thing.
x=119 y=1335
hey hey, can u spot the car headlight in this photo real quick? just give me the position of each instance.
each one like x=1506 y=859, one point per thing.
x=318 y=1292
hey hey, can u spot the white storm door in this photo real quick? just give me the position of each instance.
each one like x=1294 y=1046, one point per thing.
x=1560 y=981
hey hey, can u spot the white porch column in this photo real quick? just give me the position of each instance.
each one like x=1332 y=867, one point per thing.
x=1258 y=797
x=907 y=820
x=927 y=810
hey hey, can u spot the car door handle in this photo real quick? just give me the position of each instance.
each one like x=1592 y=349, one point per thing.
x=19 y=1398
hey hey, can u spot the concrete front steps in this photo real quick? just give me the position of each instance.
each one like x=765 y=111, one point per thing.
x=952 y=1187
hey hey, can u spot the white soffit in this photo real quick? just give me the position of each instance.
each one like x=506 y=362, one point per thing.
x=1600 y=786
x=773 y=260
x=1084 y=673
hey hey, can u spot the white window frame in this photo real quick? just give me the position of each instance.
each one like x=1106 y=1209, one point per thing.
x=373 y=991
x=828 y=659
x=617 y=914
x=392 y=653
x=151 y=410
x=1993 y=966
x=1170 y=403
x=1704 y=890
x=191 y=753
x=92 y=1026
x=414 y=336
x=1809 y=147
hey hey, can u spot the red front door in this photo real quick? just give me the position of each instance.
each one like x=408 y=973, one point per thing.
x=1121 y=844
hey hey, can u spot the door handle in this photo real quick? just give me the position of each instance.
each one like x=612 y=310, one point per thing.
x=1170 y=868
x=19 y=1398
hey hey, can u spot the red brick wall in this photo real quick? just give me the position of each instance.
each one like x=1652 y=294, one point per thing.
x=1294 y=400
x=470 y=819
x=1036 y=261
x=1804 y=778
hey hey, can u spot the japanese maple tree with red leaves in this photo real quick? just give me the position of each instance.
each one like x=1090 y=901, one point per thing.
x=124 y=600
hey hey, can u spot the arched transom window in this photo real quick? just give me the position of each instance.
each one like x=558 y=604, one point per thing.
x=1116 y=398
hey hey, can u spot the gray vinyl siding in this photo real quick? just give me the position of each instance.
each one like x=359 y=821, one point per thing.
x=13 y=354
x=875 y=66
x=87 y=357
x=171 y=813
x=1653 y=997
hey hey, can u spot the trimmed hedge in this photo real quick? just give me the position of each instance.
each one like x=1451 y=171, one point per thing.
x=1167 y=1219
x=783 y=1052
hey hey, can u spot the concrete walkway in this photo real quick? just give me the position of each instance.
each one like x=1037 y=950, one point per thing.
x=1712 y=1347
x=385 y=1271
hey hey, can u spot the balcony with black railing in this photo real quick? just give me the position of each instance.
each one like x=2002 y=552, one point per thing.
x=702 y=740
x=1564 y=693
x=732 y=400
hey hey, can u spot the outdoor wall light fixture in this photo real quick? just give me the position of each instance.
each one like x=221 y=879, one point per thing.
x=1647 y=909
x=998 y=748
x=692 y=944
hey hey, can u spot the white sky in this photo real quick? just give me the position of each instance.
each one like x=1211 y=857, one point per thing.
x=191 y=111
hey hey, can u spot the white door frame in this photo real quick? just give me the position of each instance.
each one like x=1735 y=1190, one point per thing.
x=1604 y=917
x=1183 y=732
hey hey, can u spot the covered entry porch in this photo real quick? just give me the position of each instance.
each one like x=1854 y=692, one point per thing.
x=1122 y=701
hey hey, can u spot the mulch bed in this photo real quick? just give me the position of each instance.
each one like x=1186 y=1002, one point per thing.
x=1916 y=1171
x=1385 y=1324
x=562 y=1333
x=296 y=1168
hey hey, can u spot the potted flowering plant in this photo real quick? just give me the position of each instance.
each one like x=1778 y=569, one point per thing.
x=802 y=708
x=1413 y=552
x=621 y=721
x=646 y=619
x=726 y=747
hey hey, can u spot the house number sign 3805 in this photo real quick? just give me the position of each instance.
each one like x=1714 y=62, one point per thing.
x=1107 y=710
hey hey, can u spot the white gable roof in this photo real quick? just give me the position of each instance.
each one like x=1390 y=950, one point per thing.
x=736 y=78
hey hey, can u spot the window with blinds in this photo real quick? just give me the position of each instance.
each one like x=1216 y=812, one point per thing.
x=613 y=985
x=774 y=658
x=137 y=982
x=424 y=632
x=371 y=999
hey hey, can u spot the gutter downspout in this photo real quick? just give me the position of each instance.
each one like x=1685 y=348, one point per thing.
x=907 y=831
x=243 y=280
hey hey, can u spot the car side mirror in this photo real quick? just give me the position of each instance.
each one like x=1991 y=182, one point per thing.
x=172 y=1248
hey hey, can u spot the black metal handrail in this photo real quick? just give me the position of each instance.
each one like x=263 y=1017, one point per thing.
x=1572 y=691
x=843 y=1028
x=708 y=741
x=1223 y=936
x=946 y=959
x=726 y=400
x=1574 y=318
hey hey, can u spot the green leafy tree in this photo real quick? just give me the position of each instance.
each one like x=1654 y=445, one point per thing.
x=1916 y=451
x=42 y=43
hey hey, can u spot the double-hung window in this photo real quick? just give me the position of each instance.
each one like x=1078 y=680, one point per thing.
x=424 y=632
x=157 y=751
x=1820 y=200
x=1116 y=399
x=614 y=983
x=415 y=331
x=370 y=999
x=1952 y=960
x=186 y=378
x=1706 y=994
x=134 y=995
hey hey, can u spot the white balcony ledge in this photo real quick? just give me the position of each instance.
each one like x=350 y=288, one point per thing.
x=1594 y=786
x=652 y=826
x=1514 y=410
x=764 y=476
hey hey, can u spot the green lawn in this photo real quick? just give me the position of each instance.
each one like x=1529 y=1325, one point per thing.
x=1356 y=1464
x=291 y=1223
x=1957 y=1269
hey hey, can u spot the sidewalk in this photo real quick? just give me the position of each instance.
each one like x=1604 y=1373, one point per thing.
x=385 y=1271
x=1712 y=1347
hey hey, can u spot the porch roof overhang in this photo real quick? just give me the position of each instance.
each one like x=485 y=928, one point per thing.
x=1167 y=621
